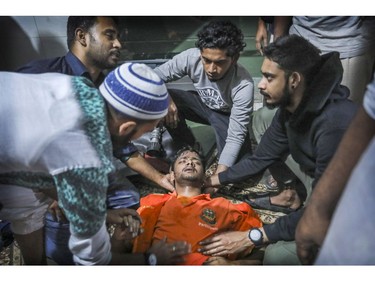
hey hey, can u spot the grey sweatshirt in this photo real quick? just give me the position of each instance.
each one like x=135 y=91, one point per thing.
x=233 y=94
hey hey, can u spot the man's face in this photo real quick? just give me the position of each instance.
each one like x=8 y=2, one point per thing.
x=216 y=63
x=188 y=167
x=103 y=44
x=274 y=85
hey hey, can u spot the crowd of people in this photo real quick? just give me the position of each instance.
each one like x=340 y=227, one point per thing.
x=68 y=125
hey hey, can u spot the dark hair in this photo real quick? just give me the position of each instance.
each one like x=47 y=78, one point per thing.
x=294 y=53
x=185 y=149
x=222 y=35
x=85 y=23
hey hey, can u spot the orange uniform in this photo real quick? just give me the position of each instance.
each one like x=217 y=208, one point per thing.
x=190 y=219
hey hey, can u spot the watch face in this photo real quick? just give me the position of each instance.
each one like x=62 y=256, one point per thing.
x=255 y=235
x=152 y=260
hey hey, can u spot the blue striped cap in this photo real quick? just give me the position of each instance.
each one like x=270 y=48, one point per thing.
x=137 y=91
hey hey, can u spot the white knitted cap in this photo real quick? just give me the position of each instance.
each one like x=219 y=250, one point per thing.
x=137 y=91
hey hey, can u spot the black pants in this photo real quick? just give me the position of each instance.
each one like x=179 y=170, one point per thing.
x=190 y=107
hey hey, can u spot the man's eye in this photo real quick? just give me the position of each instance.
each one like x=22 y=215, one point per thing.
x=110 y=36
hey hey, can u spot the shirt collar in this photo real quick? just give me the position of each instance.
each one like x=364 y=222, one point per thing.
x=76 y=65
x=79 y=69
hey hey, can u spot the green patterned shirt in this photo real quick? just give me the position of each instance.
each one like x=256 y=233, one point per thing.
x=81 y=191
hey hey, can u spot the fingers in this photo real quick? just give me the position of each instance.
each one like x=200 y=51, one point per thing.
x=172 y=120
x=56 y=212
x=172 y=117
x=133 y=225
x=166 y=183
x=170 y=253
x=116 y=216
x=213 y=246
x=258 y=46
x=213 y=250
x=207 y=245
x=128 y=219
x=178 y=250
x=53 y=214
x=60 y=216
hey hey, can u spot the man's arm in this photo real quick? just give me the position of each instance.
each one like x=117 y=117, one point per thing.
x=261 y=36
x=313 y=225
x=82 y=196
x=281 y=26
x=138 y=164
x=273 y=146
x=131 y=157
x=238 y=124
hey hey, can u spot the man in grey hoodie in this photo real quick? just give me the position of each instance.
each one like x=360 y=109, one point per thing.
x=223 y=96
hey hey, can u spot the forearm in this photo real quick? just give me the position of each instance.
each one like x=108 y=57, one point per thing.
x=281 y=26
x=138 y=164
x=283 y=228
x=330 y=186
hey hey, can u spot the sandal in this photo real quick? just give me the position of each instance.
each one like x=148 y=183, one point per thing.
x=271 y=184
x=258 y=194
x=265 y=204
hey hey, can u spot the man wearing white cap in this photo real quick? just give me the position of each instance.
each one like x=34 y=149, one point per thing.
x=56 y=136
x=90 y=53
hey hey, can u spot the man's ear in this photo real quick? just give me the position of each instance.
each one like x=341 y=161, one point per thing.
x=80 y=36
x=294 y=80
x=127 y=128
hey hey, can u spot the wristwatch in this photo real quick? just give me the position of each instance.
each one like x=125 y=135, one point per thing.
x=256 y=236
x=151 y=259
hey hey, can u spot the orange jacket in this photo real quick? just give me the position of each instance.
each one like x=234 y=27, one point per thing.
x=190 y=219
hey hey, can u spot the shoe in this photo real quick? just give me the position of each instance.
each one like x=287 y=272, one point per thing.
x=271 y=184
x=265 y=204
x=258 y=194
x=274 y=185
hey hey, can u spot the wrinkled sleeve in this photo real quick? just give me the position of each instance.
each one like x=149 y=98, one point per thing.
x=284 y=228
x=125 y=152
x=82 y=196
x=238 y=124
x=175 y=68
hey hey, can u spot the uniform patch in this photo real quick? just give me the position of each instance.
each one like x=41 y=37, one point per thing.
x=208 y=216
